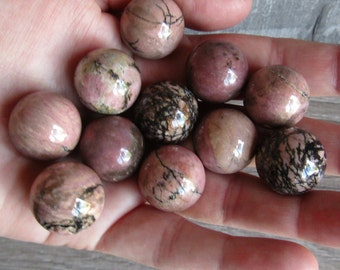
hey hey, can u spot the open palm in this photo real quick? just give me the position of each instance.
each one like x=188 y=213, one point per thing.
x=42 y=41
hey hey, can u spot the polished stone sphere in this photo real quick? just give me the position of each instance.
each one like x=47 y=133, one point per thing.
x=291 y=160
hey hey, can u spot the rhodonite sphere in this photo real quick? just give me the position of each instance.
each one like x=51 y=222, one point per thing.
x=44 y=125
x=166 y=112
x=216 y=71
x=113 y=146
x=107 y=81
x=152 y=28
x=291 y=160
x=67 y=197
x=225 y=140
x=276 y=96
x=172 y=178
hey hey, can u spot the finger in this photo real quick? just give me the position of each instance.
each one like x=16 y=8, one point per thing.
x=214 y=15
x=318 y=63
x=116 y=5
x=166 y=241
x=201 y=14
x=244 y=201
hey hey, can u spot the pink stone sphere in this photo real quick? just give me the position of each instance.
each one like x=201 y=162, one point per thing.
x=113 y=146
x=166 y=112
x=216 y=71
x=44 y=125
x=107 y=81
x=67 y=197
x=172 y=178
x=276 y=96
x=152 y=28
x=225 y=141
x=291 y=160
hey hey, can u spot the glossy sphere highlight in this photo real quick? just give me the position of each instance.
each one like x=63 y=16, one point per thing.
x=216 y=71
x=107 y=81
x=152 y=28
x=67 y=197
x=291 y=161
x=225 y=141
x=166 y=112
x=112 y=146
x=44 y=125
x=172 y=178
x=277 y=96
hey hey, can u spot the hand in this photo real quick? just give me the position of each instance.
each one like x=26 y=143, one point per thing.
x=40 y=51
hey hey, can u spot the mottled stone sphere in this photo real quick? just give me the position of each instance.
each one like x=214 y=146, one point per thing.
x=277 y=96
x=107 y=81
x=172 y=178
x=152 y=28
x=45 y=126
x=166 y=112
x=216 y=71
x=67 y=197
x=225 y=141
x=113 y=146
x=291 y=161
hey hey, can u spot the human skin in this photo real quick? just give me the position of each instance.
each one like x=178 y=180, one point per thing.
x=167 y=237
